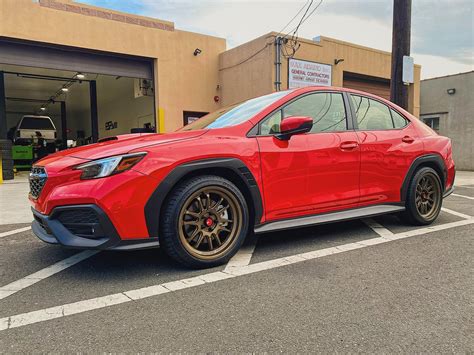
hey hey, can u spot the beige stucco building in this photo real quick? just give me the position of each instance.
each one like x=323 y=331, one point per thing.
x=135 y=71
x=350 y=65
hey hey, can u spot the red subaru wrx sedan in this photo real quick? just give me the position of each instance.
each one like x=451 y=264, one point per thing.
x=286 y=160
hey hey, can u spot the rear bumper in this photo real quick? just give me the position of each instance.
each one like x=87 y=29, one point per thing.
x=84 y=227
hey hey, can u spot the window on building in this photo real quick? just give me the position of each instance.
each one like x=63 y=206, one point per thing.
x=432 y=122
x=398 y=120
x=371 y=114
x=326 y=109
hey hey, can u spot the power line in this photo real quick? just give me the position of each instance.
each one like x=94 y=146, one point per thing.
x=302 y=18
x=310 y=14
x=248 y=58
x=293 y=42
x=294 y=48
x=301 y=9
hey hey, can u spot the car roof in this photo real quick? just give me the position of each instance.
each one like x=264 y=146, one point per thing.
x=36 y=116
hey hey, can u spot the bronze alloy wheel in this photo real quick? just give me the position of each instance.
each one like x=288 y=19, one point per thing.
x=427 y=196
x=209 y=222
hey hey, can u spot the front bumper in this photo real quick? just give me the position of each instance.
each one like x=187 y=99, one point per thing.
x=84 y=227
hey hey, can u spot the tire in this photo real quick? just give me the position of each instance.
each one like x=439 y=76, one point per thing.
x=418 y=200
x=199 y=234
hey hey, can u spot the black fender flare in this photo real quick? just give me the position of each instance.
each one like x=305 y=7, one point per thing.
x=154 y=205
x=432 y=160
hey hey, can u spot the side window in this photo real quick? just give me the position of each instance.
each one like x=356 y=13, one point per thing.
x=326 y=109
x=371 y=114
x=272 y=124
x=398 y=120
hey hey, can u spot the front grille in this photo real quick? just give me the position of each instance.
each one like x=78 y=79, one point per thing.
x=37 y=180
x=82 y=222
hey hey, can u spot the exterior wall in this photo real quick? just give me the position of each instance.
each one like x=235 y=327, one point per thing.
x=357 y=59
x=132 y=112
x=455 y=112
x=183 y=81
x=243 y=80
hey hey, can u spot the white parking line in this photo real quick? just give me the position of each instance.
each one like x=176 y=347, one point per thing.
x=456 y=213
x=23 y=319
x=42 y=274
x=377 y=227
x=15 y=231
x=463 y=196
x=243 y=256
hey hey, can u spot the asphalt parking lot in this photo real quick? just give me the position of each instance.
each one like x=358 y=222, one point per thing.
x=362 y=286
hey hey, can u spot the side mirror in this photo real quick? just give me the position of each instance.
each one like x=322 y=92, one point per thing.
x=293 y=125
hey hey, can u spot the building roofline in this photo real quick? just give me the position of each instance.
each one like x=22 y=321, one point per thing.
x=345 y=43
x=80 y=3
x=449 y=75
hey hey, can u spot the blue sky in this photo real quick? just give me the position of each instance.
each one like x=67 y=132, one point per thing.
x=442 y=30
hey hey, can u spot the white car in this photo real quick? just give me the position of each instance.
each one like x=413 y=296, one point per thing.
x=29 y=125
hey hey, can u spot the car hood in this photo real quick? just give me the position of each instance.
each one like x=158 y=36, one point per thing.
x=123 y=144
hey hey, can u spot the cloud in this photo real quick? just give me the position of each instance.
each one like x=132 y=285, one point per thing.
x=434 y=66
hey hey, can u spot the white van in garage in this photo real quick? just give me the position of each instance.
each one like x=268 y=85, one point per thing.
x=28 y=126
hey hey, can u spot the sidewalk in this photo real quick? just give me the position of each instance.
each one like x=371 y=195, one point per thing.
x=14 y=204
x=15 y=207
x=464 y=178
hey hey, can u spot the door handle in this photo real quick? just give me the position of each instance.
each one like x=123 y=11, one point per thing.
x=348 y=145
x=408 y=139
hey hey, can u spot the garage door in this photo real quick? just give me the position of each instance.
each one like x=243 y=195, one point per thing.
x=373 y=85
x=73 y=59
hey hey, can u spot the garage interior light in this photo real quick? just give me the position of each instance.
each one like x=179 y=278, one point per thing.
x=64 y=89
x=80 y=76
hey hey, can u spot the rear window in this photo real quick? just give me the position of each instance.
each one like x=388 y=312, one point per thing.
x=36 y=123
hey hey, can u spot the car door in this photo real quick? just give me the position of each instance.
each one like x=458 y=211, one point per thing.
x=388 y=143
x=310 y=173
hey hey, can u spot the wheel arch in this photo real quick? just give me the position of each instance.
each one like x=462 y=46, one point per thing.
x=232 y=169
x=433 y=161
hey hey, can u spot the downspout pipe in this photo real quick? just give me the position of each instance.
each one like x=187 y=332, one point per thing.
x=278 y=42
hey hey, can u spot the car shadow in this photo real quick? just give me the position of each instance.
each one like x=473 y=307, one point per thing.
x=300 y=240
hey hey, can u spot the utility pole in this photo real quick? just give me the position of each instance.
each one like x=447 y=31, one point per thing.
x=400 y=47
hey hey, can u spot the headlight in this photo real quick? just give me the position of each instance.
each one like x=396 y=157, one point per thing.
x=109 y=166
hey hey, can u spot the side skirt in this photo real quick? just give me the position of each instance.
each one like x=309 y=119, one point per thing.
x=328 y=218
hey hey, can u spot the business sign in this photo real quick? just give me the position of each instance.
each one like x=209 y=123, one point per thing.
x=302 y=73
x=109 y=125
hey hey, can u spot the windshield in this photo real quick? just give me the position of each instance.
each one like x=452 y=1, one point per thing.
x=235 y=114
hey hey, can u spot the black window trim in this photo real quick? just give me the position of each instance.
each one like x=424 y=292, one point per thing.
x=354 y=116
x=255 y=130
